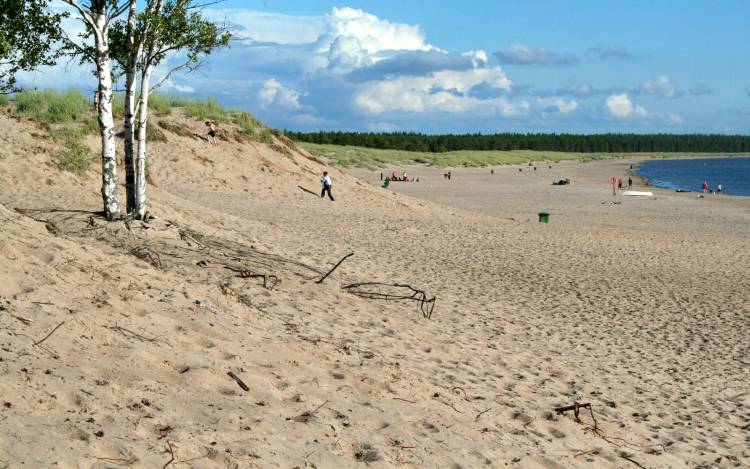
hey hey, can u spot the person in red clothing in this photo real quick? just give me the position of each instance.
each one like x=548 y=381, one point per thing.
x=613 y=182
x=705 y=186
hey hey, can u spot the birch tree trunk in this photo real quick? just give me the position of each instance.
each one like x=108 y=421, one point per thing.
x=129 y=124
x=110 y=191
x=140 y=184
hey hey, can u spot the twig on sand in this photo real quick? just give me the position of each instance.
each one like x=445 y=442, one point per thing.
x=334 y=267
x=476 y=419
x=239 y=381
x=632 y=460
x=38 y=342
x=23 y=320
x=118 y=461
x=171 y=452
x=129 y=333
x=306 y=416
x=405 y=400
x=459 y=388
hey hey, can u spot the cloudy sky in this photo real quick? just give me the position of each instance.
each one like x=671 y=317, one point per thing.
x=479 y=66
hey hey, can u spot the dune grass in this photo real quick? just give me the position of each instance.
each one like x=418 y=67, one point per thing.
x=370 y=158
x=53 y=107
x=252 y=126
x=163 y=103
x=4 y=100
x=208 y=109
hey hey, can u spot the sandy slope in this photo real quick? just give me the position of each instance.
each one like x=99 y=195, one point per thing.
x=639 y=308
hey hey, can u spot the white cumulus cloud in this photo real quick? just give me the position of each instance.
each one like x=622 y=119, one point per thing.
x=445 y=91
x=620 y=105
x=523 y=54
x=276 y=94
x=558 y=104
x=661 y=86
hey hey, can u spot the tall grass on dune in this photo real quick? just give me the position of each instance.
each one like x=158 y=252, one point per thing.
x=163 y=103
x=53 y=107
x=4 y=100
x=208 y=109
x=252 y=127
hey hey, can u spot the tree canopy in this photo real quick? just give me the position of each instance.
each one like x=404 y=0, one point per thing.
x=597 y=143
x=27 y=33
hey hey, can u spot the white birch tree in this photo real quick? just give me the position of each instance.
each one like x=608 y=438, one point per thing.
x=164 y=29
x=98 y=15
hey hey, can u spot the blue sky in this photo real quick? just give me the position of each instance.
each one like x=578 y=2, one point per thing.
x=481 y=66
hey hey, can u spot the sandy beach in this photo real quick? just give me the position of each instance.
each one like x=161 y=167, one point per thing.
x=636 y=306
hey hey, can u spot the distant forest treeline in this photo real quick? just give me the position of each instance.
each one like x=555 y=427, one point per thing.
x=604 y=143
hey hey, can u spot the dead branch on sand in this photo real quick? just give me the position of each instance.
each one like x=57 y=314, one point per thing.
x=39 y=342
x=334 y=268
x=306 y=416
x=147 y=254
x=393 y=292
x=130 y=334
x=239 y=381
x=613 y=440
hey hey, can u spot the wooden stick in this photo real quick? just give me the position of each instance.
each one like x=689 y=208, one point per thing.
x=476 y=419
x=171 y=452
x=51 y=332
x=23 y=320
x=239 y=381
x=335 y=267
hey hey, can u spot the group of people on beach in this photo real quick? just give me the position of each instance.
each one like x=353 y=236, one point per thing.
x=403 y=178
x=616 y=183
x=706 y=188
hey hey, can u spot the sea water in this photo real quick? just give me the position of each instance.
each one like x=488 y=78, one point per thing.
x=732 y=173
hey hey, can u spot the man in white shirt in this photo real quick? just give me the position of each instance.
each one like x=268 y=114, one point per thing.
x=326 y=181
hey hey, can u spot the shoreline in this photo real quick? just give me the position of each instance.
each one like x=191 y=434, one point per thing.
x=685 y=191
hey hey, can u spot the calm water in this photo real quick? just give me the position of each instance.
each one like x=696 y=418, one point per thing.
x=732 y=173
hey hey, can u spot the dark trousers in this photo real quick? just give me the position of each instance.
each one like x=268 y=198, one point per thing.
x=326 y=189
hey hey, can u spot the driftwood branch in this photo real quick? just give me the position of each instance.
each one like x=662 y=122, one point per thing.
x=269 y=281
x=334 y=267
x=171 y=453
x=393 y=292
x=239 y=381
x=39 y=342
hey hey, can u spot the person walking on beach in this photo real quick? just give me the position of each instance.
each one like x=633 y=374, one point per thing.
x=326 y=183
x=718 y=188
x=705 y=186
x=630 y=183
x=613 y=183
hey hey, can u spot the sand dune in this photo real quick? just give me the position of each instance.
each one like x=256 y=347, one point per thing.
x=638 y=307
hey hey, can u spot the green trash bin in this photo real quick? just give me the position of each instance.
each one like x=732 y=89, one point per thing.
x=544 y=217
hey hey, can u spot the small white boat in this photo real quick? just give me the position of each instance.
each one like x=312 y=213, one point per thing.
x=641 y=193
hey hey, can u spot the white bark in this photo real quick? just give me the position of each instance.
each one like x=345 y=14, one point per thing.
x=110 y=191
x=140 y=179
x=129 y=124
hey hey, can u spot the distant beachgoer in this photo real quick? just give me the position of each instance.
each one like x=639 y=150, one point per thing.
x=718 y=188
x=705 y=186
x=381 y=176
x=211 y=132
x=327 y=184
x=613 y=183
x=630 y=183
x=492 y=171
x=449 y=175
x=619 y=183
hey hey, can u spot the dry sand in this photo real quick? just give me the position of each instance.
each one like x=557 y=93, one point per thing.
x=637 y=306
